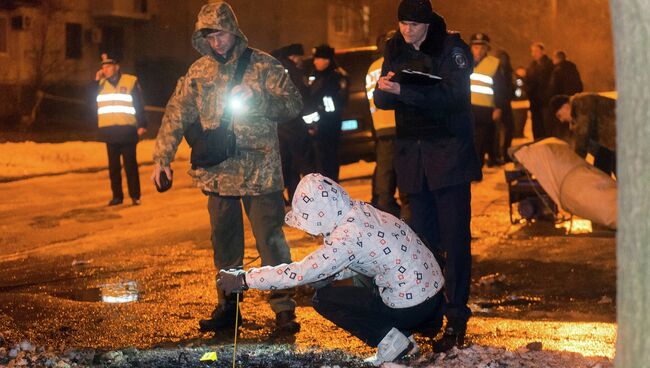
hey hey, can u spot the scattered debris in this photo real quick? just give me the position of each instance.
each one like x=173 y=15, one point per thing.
x=605 y=300
x=285 y=355
x=491 y=280
x=81 y=262
x=534 y=346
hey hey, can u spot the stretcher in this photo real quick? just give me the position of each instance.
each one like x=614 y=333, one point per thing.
x=548 y=176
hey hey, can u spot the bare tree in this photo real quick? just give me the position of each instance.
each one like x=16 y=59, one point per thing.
x=631 y=20
x=46 y=55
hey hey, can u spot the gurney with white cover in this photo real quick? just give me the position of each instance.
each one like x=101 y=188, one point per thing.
x=571 y=182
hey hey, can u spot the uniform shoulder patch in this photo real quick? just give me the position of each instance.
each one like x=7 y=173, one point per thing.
x=459 y=57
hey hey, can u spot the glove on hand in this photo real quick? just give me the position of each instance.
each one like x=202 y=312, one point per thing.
x=232 y=281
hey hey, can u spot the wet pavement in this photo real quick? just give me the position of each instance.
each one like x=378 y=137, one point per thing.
x=77 y=274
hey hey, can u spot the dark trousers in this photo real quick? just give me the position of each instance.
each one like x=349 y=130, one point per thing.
x=442 y=219
x=537 y=115
x=127 y=152
x=361 y=312
x=384 y=180
x=291 y=152
x=505 y=139
x=605 y=160
x=325 y=157
x=266 y=215
x=484 y=134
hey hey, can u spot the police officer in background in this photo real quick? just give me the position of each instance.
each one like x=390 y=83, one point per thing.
x=384 y=183
x=489 y=99
x=328 y=95
x=435 y=159
x=121 y=121
x=293 y=134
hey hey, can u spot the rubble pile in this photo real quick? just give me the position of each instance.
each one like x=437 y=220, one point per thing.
x=25 y=354
x=530 y=356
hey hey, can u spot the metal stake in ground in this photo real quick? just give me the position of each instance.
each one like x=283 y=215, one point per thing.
x=234 y=351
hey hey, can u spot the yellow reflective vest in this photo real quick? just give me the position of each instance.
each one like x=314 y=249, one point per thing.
x=482 y=81
x=115 y=103
x=383 y=120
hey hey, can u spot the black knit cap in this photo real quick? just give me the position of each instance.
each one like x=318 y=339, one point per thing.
x=415 y=11
x=295 y=49
x=324 y=51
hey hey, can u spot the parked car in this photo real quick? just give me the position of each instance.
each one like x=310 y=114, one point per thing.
x=358 y=135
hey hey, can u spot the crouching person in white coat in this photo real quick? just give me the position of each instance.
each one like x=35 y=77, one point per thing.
x=358 y=239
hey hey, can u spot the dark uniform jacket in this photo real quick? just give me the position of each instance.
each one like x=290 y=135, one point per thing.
x=435 y=138
x=538 y=76
x=565 y=80
x=330 y=83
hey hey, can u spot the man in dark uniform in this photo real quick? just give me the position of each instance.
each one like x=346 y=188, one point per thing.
x=328 y=94
x=121 y=121
x=565 y=80
x=293 y=134
x=538 y=76
x=435 y=157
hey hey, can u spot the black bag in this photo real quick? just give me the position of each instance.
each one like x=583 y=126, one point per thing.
x=211 y=147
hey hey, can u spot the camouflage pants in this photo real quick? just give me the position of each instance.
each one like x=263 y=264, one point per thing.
x=266 y=215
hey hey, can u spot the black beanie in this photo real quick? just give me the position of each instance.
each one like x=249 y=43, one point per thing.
x=324 y=51
x=415 y=11
x=295 y=49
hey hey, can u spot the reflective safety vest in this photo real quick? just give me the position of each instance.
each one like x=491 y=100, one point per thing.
x=115 y=103
x=381 y=119
x=483 y=81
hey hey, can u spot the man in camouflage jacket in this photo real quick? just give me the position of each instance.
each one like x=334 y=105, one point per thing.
x=592 y=121
x=253 y=175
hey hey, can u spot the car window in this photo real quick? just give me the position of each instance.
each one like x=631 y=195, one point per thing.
x=356 y=64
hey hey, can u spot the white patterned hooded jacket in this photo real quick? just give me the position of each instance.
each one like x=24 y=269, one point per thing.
x=358 y=238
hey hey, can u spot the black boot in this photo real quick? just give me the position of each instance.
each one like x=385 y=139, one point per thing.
x=452 y=337
x=222 y=318
x=286 y=324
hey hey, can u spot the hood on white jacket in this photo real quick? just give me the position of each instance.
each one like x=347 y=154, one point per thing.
x=319 y=205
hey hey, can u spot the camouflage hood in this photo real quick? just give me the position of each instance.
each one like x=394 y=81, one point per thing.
x=218 y=15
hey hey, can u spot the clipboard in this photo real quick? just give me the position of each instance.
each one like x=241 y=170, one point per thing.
x=408 y=76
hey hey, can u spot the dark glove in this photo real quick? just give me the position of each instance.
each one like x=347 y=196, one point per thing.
x=165 y=183
x=232 y=281
x=322 y=283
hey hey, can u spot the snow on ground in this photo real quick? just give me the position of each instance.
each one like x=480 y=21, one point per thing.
x=29 y=159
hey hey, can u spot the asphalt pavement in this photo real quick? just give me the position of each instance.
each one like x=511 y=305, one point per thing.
x=75 y=273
